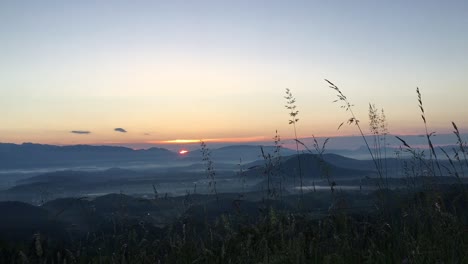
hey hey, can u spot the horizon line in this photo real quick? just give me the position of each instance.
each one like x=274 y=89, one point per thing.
x=184 y=142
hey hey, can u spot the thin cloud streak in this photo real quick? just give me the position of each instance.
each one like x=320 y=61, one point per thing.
x=80 y=132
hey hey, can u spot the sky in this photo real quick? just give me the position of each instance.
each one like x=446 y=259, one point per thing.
x=147 y=72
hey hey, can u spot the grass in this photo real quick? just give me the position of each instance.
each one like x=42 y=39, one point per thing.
x=412 y=225
x=347 y=106
x=209 y=168
x=413 y=231
x=291 y=106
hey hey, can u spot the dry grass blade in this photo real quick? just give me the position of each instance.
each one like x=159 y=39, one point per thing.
x=428 y=135
x=452 y=164
x=342 y=123
x=460 y=143
x=404 y=142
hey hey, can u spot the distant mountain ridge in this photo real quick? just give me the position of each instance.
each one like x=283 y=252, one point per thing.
x=79 y=147
x=29 y=155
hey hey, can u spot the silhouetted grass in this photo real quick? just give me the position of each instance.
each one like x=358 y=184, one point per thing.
x=347 y=106
x=291 y=106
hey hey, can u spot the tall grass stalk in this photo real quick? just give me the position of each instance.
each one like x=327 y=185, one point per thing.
x=379 y=130
x=453 y=170
x=462 y=162
x=353 y=120
x=267 y=170
x=461 y=145
x=272 y=168
x=291 y=106
x=241 y=174
x=419 y=165
x=209 y=168
x=428 y=136
x=277 y=161
x=272 y=164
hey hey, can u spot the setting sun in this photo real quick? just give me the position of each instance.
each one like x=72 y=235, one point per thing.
x=183 y=151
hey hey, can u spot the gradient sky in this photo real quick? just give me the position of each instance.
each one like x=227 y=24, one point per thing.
x=166 y=70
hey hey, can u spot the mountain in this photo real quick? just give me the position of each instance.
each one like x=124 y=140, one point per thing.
x=35 y=156
x=311 y=169
x=29 y=155
x=391 y=164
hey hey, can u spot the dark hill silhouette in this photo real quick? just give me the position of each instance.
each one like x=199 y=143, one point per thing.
x=311 y=168
x=21 y=221
x=356 y=164
x=78 y=213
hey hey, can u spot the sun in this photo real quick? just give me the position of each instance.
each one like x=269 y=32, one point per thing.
x=183 y=151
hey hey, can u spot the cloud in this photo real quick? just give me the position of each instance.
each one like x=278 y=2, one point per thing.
x=121 y=130
x=147 y=134
x=80 y=132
